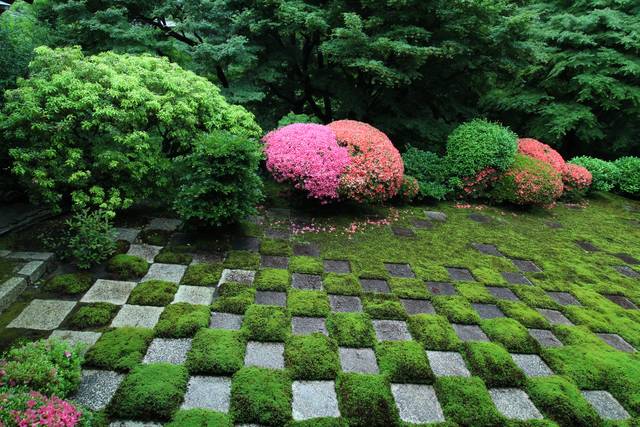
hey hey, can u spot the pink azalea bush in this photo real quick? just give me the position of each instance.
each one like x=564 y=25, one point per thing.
x=41 y=410
x=529 y=181
x=538 y=150
x=577 y=181
x=308 y=156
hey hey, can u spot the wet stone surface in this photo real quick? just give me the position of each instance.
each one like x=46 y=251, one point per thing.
x=469 y=332
x=344 y=303
x=515 y=278
x=503 y=293
x=458 y=274
x=587 y=246
x=447 y=364
x=400 y=270
x=271 y=298
x=488 y=311
x=362 y=360
x=270 y=261
x=375 y=285
x=545 y=338
x=309 y=282
x=441 y=288
x=308 y=325
x=417 y=306
x=336 y=266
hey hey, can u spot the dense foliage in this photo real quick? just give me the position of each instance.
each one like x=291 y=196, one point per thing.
x=430 y=170
x=629 y=175
x=604 y=174
x=529 y=181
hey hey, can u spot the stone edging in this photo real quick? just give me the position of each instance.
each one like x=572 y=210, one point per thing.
x=37 y=264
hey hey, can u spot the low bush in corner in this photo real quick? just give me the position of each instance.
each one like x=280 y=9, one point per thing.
x=127 y=267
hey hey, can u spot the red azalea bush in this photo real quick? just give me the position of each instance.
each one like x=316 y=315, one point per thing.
x=538 y=150
x=479 y=185
x=409 y=188
x=376 y=169
x=529 y=181
x=577 y=181
x=26 y=409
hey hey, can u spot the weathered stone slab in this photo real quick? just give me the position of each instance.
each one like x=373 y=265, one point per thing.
x=270 y=261
x=85 y=338
x=587 y=246
x=441 y=288
x=245 y=277
x=417 y=403
x=126 y=234
x=361 y=360
x=111 y=291
x=617 y=342
x=144 y=251
x=504 y=293
x=526 y=266
x=141 y=316
x=246 y=244
x=532 y=365
x=271 y=298
x=469 y=332
x=194 y=295
x=402 y=231
x=480 y=218
x=43 y=314
x=165 y=350
x=10 y=290
x=487 y=249
x=545 y=338
x=399 y=270
x=314 y=399
x=308 y=325
x=460 y=274
x=166 y=272
x=31 y=256
x=336 y=266
x=627 y=258
x=488 y=311
x=605 y=405
x=274 y=233
x=309 y=282
x=33 y=270
x=514 y=404
x=166 y=224
x=206 y=258
x=306 y=249
x=375 y=285
x=265 y=354
x=622 y=301
x=436 y=216
x=212 y=393
x=447 y=364
x=563 y=298
x=391 y=330
x=515 y=278
x=422 y=224
x=555 y=317
x=418 y=306
x=226 y=321
x=625 y=270
x=97 y=388
x=344 y=303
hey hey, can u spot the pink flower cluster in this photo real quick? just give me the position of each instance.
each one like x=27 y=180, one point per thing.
x=538 y=150
x=47 y=411
x=478 y=185
x=344 y=159
x=577 y=179
x=308 y=155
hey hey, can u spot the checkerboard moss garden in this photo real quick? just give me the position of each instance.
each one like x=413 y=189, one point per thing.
x=512 y=301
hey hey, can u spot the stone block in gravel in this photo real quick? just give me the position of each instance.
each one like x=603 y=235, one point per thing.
x=532 y=365
x=146 y=252
x=391 y=330
x=625 y=270
x=362 y=360
x=194 y=295
x=617 y=342
x=503 y=293
x=587 y=246
x=97 y=388
x=167 y=224
x=545 y=337
x=265 y=354
x=344 y=303
x=375 y=285
x=399 y=270
x=245 y=277
x=212 y=393
x=227 y=321
x=111 y=291
x=43 y=314
x=308 y=325
x=488 y=311
x=460 y=274
x=487 y=249
x=141 y=316
x=441 y=288
x=271 y=298
x=514 y=404
x=447 y=364
x=563 y=298
x=126 y=234
x=33 y=270
x=526 y=266
x=554 y=317
x=314 y=399
x=306 y=249
x=622 y=301
x=605 y=405
x=246 y=244
x=86 y=338
x=436 y=216
x=308 y=282
x=168 y=350
x=417 y=403
x=10 y=290
x=336 y=266
x=469 y=332
x=515 y=278
x=166 y=272
x=402 y=231
x=418 y=306
x=271 y=261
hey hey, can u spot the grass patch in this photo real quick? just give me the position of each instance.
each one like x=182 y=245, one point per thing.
x=306 y=264
x=351 y=329
x=262 y=396
x=456 y=309
x=234 y=298
x=153 y=292
x=342 y=284
x=126 y=267
x=408 y=288
x=182 y=320
x=206 y=274
x=266 y=323
x=199 y=418
x=308 y=303
x=242 y=260
x=120 y=349
x=523 y=313
x=562 y=401
x=404 y=362
x=95 y=315
x=510 y=334
x=155 y=237
x=475 y=292
x=272 y=279
x=312 y=357
x=275 y=247
x=434 y=332
x=493 y=364
x=382 y=306
x=167 y=256
x=366 y=400
x=466 y=402
x=216 y=352
x=72 y=283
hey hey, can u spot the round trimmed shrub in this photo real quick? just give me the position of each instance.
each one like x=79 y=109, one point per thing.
x=538 y=150
x=308 y=156
x=529 y=181
x=479 y=144
x=629 y=176
x=430 y=170
x=576 y=180
x=375 y=170
x=604 y=174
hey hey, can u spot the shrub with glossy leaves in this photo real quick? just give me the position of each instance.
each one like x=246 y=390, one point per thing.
x=429 y=170
x=478 y=145
x=541 y=151
x=604 y=174
x=629 y=176
x=576 y=180
x=529 y=181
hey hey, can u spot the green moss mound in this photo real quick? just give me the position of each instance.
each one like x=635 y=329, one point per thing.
x=206 y=274
x=261 y=396
x=200 y=418
x=182 y=320
x=153 y=292
x=126 y=267
x=94 y=315
x=267 y=323
x=73 y=283
x=404 y=362
x=493 y=364
x=312 y=357
x=434 y=332
x=366 y=400
x=120 y=349
x=216 y=352
x=351 y=329
x=466 y=401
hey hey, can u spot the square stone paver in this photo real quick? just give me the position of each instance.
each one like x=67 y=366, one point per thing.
x=526 y=266
x=436 y=216
x=488 y=311
x=515 y=278
x=336 y=266
x=202 y=295
x=246 y=244
x=306 y=249
x=418 y=306
x=111 y=291
x=245 y=277
x=545 y=338
x=487 y=249
x=167 y=272
x=617 y=342
x=460 y=274
x=587 y=246
x=554 y=317
x=391 y=330
x=309 y=282
x=126 y=234
x=308 y=325
x=206 y=258
x=447 y=364
x=30 y=256
x=314 y=399
x=227 y=321
x=563 y=298
x=361 y=360
x=167 y=224
x=84 y=338
x=271 y=298
x=402 y=231
x=265 y=354
x=399 y=270
x=627 y=258
x=503 y=293
x=375 y=285
x=514 y=404
x=622 y=301
x=469 y=332
x=532 y=365
x=422 y=224
x=142 y=316
x=417 y=403
x=146 y=252
x=168 y=350
x=97 y=388
x=212 y=393
x=272 y=261
x=33 y=270
x=344 y=303
x=441 y=288
x=605 y=404
x=43 y=314
x=627 y=271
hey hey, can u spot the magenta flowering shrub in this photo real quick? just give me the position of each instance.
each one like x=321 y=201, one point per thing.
x=40 y=410
x=308 y=156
